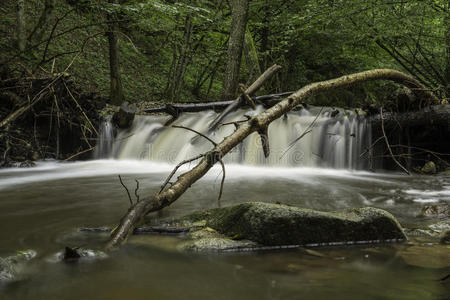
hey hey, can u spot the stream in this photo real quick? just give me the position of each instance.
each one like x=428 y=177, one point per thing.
x=42 y=208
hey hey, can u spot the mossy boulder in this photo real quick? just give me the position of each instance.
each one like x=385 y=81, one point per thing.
x=275 y=225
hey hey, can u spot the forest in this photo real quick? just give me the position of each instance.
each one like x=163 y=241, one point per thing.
x=270 y=149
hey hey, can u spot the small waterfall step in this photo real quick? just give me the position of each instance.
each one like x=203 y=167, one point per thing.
x=334 y=140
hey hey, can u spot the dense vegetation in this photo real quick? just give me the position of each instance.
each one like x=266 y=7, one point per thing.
x=177 y=50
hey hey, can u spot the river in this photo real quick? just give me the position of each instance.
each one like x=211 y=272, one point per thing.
x=42 y=208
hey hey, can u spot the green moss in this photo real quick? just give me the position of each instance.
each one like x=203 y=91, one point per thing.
x=273 y=224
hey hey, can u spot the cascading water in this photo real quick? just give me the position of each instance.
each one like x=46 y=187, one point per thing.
x=331 y=142
x=106 y=139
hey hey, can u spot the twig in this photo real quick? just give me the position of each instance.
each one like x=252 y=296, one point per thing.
x=80 y=108
x=387 y=143
x=125 y=187
x=176 y=168
x=136 y=190
x=201 y=134
x=246 y=96
x=79 y=153
x=222 y=182
x=371 y=146
x=305 y=132
x=235 y=123
x=195 y=158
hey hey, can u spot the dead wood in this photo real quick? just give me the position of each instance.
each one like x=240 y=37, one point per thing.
x=249 y=91
x=388 y=145
x=169 y=195
x=175 y=109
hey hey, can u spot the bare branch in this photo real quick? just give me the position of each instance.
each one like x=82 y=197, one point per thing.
x=388 y=146
x=195 y=131
x=168 y=196
x=125 y=187
x=136 y=190
x=176 y=168
x=305 y=132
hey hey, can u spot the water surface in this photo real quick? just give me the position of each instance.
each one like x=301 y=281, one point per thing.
x=42 y=208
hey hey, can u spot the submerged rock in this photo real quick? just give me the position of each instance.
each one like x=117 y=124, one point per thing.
x=438 y=210
x=76 y=254
x=277 y=225
x=434 y=230
x=9 y=266
x=425 y=256
x=429 y=168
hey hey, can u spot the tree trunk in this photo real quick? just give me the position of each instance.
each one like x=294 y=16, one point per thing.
x=447 y=47
x=251 y=57
x=258 y=123
x=20 y=26
x=239 y=12
x=182 y=62
x=39 y=30
x=116 y=91
x=265 y=32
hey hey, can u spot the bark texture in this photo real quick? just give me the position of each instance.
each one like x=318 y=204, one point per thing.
x=177 y=108
x=239 y=12
x=251 y=57
x=20 y=26
x=182 y=59
x=258 y=123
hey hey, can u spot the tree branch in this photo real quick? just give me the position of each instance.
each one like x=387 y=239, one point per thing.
x=165 y=198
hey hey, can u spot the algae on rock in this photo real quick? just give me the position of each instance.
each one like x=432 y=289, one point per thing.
x=276 y=225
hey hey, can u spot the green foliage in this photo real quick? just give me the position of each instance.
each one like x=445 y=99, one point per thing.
x=165 y=42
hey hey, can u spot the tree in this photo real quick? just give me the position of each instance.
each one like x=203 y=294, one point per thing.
x=447 y=46
x=20 y=25
x=116 y=91
x=239 y=13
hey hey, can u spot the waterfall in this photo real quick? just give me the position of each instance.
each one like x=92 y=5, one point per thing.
x=329 y=141
x=105 y=139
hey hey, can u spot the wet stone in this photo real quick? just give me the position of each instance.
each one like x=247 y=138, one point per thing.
x=429 y=168
x=9 y=266
x=277 y=225
x=441 y=210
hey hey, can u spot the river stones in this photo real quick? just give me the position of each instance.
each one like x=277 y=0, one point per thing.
x=277 y=225
x=429 y=168
x=9 y=266
x=441 y=210
x=125 y=116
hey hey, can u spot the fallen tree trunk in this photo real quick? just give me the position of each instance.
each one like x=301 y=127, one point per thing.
x=249 y=91
x=431 y=115
x=258 y=123
x=177 y=108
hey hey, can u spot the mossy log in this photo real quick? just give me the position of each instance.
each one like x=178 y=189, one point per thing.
x=257 y=123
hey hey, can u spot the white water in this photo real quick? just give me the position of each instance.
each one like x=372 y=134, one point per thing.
x=334 y=142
